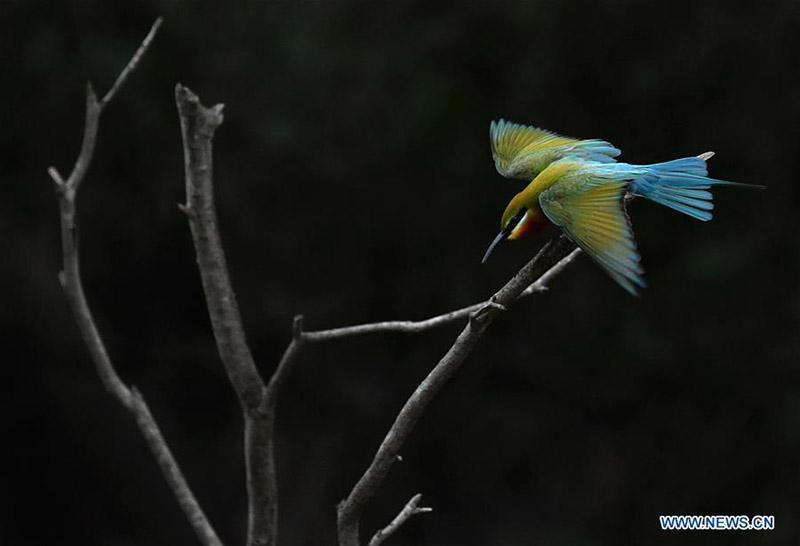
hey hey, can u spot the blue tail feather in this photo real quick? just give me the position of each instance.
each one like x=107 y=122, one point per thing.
x=681 y=185
x=685 y=165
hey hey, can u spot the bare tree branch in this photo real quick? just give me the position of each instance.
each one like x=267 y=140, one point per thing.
x=171 y=470
x=543 y=282
x=133 y=63
x=286 y=363
x=350 y=510
x=93 y=110
x=300 y=338
x=411 y=508
x=411 y=326
x=259 y=401
x=71 y=282
x=198 y=125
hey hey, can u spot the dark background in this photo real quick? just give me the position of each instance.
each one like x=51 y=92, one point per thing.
x=355 y=184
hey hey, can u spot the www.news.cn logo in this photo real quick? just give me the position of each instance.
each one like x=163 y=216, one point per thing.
x=717 y=523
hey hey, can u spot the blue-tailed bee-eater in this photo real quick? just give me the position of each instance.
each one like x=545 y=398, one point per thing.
x=578 y=186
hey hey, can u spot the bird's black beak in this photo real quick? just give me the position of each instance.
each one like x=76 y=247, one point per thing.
x=505 y=233
x=500 y=236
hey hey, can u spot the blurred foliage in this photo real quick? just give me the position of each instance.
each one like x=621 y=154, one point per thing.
x=354 y=184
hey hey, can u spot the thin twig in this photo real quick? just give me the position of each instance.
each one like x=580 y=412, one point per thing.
x=73 y=182
x=172 y=472
x=411 y=508
x=543 y=283
x=412 y=326
x=198 y=125
x=408 y=326
x=132 y=64
x=349 y=510
x=70 y=279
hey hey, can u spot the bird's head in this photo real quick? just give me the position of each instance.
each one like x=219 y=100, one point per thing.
x=516 y=219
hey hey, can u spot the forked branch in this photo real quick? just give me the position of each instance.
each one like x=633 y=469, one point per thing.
x=533 y=278
x=350 y=510
x=70 y=278
x=412 y=508
x=259 y=400
x=414 y=326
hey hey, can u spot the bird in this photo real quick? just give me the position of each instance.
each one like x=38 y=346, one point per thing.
x=521 y=151
x=584 y=197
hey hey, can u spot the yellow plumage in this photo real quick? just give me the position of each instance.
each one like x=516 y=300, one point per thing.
x=522 y=151
x=591 y=212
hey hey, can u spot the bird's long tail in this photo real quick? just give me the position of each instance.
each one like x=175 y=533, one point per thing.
x=681 y=184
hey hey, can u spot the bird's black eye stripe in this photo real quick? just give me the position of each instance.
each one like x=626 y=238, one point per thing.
x=515 y=220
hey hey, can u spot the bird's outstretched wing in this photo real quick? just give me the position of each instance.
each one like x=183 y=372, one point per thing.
x=590 y=210
x=522 y=151
x=509 y=139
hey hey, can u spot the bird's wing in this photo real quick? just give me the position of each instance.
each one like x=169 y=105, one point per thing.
x=590 y=210
x=510 y=140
